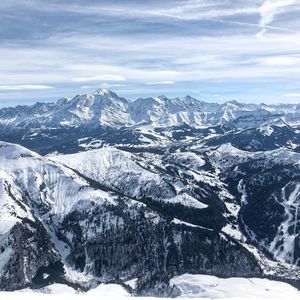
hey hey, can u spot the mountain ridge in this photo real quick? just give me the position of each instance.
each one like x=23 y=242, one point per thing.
x=108 y=109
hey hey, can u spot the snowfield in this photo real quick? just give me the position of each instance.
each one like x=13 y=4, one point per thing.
x=191 y=286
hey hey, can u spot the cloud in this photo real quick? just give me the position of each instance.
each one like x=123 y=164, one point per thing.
x=22 y=87
x=186 y=10
x=280 y=60
x=160 y=82
x=269 y=9
x=254 y=25
x=199 y=10
x=177 y=59
x=104 y=85
x=183 y=10
x=292 y=95
x=99 y=78
x=178 y=45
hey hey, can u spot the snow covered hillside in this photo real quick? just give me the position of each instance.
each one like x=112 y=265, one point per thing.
x=189 y=286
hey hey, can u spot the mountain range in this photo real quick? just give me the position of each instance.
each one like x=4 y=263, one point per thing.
x=105 y=108
x=101 y=189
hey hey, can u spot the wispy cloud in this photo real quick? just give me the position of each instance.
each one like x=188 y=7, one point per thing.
x=269 y=9
x=292 y=95
x=140 y=47
x=184 y=10
x=160 y=82
x=104 y=85
x=277 y=60
x=23 y=87
x=99 y=78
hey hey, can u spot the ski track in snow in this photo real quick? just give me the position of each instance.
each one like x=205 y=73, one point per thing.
x=291 y=206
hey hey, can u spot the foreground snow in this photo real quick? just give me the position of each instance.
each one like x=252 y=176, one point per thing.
x=211 y=287
x=191 y=286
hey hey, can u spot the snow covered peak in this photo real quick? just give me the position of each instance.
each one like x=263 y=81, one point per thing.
x=102 y=92
x=161 y=98
x=14 y=151
x=62 y=101
x=107 y=94
x=102 y=107
x=100 y=96
x=234 y=103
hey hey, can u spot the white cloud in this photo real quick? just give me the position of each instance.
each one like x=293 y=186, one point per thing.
x=188 y=10
x=104 y=85
x=292 y=95
x=184 y=59
x=22 y=87
x=194 y=11
x=99 y=78
x=88 y=87
x=185 y=10
x=160 y=82
x=269 y=9
x=187 y=59
x=280 y=60
x=149 y=59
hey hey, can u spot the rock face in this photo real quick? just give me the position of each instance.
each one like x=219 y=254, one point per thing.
x=26 y=249
x=141 y=190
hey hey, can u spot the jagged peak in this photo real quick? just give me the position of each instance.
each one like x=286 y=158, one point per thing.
x=103 y=92
x=106 y=93
x=63 y=101
x=233 y=102
x=162 y=98
x=188 y=99
x=150 y=100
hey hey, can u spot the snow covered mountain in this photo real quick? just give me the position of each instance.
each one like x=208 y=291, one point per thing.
x=84 y=214
x=105 y=118
x=108 y=190
x=105 y=108
x=55 y=221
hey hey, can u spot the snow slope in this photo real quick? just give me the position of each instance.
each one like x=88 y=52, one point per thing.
x=35 y=195
x=58 y=188
x=211 y=287
x=190 y=286
x=118 y=170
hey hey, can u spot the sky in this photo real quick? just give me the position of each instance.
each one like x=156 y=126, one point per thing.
x=213 y=50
